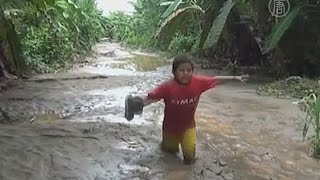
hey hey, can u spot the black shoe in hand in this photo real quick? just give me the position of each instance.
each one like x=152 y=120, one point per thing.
x=133 y=105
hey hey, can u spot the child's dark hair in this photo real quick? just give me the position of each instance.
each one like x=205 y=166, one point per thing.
x=181 y=59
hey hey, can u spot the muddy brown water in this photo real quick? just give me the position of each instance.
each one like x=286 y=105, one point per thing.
x=71 y=126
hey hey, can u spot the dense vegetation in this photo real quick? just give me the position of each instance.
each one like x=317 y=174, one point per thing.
x=43 y=35
x=242 y=32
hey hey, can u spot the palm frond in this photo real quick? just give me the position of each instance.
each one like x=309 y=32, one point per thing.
x=279 y=30
x=218 y=25
x=175 y=21
x=171 y=8
x=166 y=3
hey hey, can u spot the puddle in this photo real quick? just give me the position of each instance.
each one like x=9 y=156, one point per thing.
x=115 y=99
x=116 y=96
x=45 y=117
x=136 y=65
x=142 y=63
x=109 y=71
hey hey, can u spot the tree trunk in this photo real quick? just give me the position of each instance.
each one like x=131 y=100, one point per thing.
x=11 y=54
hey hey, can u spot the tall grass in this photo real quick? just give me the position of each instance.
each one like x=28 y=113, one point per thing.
x=312 y=123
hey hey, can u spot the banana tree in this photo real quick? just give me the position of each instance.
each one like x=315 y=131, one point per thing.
x=299 y=9
x=179 y=11
x=11 y=55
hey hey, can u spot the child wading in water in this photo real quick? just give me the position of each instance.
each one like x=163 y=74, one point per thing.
x=181 y=96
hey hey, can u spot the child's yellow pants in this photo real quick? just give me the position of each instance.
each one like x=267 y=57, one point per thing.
x=170 y=143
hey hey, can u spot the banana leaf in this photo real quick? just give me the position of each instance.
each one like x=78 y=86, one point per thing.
x=174 y=22
x=173 y=6
x=218 y=25
x=279 y=30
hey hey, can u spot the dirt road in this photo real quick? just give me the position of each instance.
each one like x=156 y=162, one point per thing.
x=70 y=126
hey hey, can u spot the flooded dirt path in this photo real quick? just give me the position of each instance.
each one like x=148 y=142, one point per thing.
x=260 y=137
x=71 y=126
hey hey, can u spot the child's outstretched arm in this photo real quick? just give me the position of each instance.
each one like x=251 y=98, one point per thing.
x=155 y=95
x=147 y=101
x=224 y=79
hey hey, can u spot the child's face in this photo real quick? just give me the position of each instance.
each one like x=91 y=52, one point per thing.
x=183 y=73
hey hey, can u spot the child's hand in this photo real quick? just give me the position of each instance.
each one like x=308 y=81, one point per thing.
x=243 y=78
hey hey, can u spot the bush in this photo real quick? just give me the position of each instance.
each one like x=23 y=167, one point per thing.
x=184 y=43
x=50 y=39
x=137 y=30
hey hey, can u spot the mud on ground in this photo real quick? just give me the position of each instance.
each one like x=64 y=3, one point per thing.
x=71 y=126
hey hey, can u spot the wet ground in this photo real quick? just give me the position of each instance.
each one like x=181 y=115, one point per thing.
x=71 y=126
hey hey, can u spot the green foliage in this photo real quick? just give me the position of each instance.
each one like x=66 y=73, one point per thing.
x=11 y=46
x=280 y=29
x=52 y=31
x=121 y=25
x=218 y=25
x=175 y=21
x=173 y=6
x=46 y=49
x=183 y=43
x=136 y=30
x=312 y=122
x=128 y=29
x=178 y=26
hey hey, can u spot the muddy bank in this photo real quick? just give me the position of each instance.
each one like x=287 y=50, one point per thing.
x=71 y=126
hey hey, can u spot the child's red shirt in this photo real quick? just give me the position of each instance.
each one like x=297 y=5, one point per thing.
x=181 y=101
